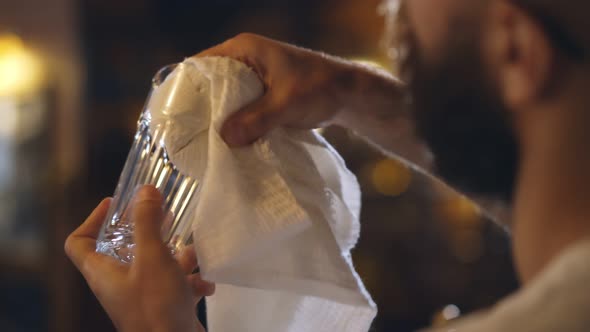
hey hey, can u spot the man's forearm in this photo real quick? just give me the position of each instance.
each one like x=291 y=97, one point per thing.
x=375 y=106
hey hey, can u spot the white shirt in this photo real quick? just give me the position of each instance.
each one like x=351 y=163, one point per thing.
x=556 y=301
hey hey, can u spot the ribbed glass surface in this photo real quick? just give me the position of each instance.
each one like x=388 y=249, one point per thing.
x=148 y=163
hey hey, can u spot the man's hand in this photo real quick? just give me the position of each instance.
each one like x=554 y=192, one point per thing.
x=304 y=89
x=307 y=89
x=155 y=292
x=301 y=87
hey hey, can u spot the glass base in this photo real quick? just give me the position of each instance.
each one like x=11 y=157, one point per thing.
x=117 y=243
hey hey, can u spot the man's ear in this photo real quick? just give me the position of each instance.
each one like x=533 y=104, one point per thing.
x=519 y=53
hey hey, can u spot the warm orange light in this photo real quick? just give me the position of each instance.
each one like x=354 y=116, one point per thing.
x=20 y=69
x=460 y=211
x=391 y=177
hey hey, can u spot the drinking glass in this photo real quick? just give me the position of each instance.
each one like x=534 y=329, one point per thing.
x=148 y=164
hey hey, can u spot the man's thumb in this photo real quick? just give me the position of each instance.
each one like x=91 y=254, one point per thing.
x=147 y=215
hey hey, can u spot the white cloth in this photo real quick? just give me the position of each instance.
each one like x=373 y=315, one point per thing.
x=557 y=301
x=275 y=221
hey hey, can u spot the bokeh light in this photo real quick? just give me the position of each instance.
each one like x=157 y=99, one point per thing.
x=459 y=211
x=9 y=123
x=451 y=312
x=391 y=177
x=446 y=314
x=20 y=69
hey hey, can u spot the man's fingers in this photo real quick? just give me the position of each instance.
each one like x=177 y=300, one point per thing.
x=187 y=259
x=147 y=216
x=249 y=124
x=199 y=286
x=82 y=242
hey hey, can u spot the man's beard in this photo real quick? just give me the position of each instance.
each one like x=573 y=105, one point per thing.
x=461 y=116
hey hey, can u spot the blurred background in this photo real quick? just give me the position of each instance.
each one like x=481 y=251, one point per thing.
x=73 y=79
